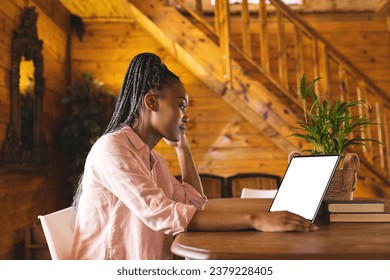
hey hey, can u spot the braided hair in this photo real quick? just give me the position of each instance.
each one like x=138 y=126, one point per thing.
x=145 y=72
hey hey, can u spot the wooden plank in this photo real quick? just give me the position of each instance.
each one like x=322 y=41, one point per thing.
x=235 y=98
x=225 y=153
x=222 y=139
x=246 y=35
x=11 y=12
x=5 y=59
x=324 y=73
x=343 y=84
x=362 y=112
x=199 y=126
x=231 y=167
x=264 y=43
x=282 y=58
x=56 y=13
x=5 y=77
x=315 y=61
x=299 y=57
x=224 y=38
x=379 y=110
x=352 y=21
x=386 y=145
x=199 y=8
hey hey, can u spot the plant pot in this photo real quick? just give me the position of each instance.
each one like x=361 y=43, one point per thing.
x=343 y=183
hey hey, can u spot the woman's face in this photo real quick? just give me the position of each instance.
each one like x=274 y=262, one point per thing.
x=170 y=119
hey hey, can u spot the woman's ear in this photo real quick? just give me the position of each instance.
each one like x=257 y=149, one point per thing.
x=151 y=102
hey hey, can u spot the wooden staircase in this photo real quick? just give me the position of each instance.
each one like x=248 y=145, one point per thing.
x=253 y=76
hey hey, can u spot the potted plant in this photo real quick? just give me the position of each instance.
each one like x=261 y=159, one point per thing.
x=330 y=128
x=89 y=107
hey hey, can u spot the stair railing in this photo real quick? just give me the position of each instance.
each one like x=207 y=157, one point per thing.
x=299 y=49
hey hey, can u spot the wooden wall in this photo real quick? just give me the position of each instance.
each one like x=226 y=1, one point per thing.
x=223 y=143
x=24 y=195
x=364 y=38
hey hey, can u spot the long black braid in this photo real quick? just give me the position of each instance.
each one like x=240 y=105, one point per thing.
x=145 y=72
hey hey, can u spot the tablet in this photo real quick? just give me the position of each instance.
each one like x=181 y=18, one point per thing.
x=304 y=184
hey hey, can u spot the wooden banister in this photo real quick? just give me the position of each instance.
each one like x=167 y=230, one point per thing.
x=264 y=47
x=246 y=35
x=311 y=32
x=348 y=83
x=222 y=8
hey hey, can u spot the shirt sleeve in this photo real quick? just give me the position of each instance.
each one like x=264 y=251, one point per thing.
x=123 y=173
x=186 y=193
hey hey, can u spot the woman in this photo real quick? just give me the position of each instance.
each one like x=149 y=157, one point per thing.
x=128 y=204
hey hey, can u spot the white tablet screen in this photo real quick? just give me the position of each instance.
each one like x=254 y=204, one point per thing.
x=304 y=184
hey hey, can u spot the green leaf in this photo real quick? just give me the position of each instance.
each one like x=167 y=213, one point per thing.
x=330 y=127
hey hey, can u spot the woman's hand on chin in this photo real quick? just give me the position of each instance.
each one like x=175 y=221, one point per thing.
x=182 y=143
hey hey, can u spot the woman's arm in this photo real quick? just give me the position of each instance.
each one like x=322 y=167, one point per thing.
x=265 y=221
x=189 y=173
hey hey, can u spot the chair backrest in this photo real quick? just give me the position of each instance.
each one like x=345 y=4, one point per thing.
x=253 y=193
x=214 y=186
x=58 y=233
x=252 y=181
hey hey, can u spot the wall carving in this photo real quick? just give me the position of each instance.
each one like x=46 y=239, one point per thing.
x=25 y=146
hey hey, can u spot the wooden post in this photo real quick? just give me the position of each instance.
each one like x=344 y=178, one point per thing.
x=216 y=16
x=199 y=8
x=282 y=56
x=246 y=32
x=264 y=52
x=316 y=71
x=365 y=132
x=222 y=7
x=386 y=132
x=323 y=68
x=299 y=56
x=343 y=84
x=379 y=110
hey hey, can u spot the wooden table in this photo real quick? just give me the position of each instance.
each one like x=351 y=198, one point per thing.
x=331 y=241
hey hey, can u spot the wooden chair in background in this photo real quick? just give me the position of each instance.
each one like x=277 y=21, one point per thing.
x=252 y=181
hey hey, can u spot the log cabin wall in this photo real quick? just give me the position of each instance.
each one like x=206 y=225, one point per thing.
x=363 y=37
x=26 y=194
x=223 y=142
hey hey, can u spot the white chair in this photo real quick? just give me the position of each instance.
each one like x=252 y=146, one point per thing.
x=58 y=233
x=257 y=193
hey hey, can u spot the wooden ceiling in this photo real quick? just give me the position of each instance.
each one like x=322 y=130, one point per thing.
x=98 y=10
x=119 y=10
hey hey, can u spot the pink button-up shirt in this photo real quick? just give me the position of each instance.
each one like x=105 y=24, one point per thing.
x=131 y=205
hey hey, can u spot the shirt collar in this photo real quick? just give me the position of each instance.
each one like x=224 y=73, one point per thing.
x=138 y=143
x=134 y=138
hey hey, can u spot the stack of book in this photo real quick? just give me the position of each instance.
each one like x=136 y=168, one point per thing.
x=359 y=210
